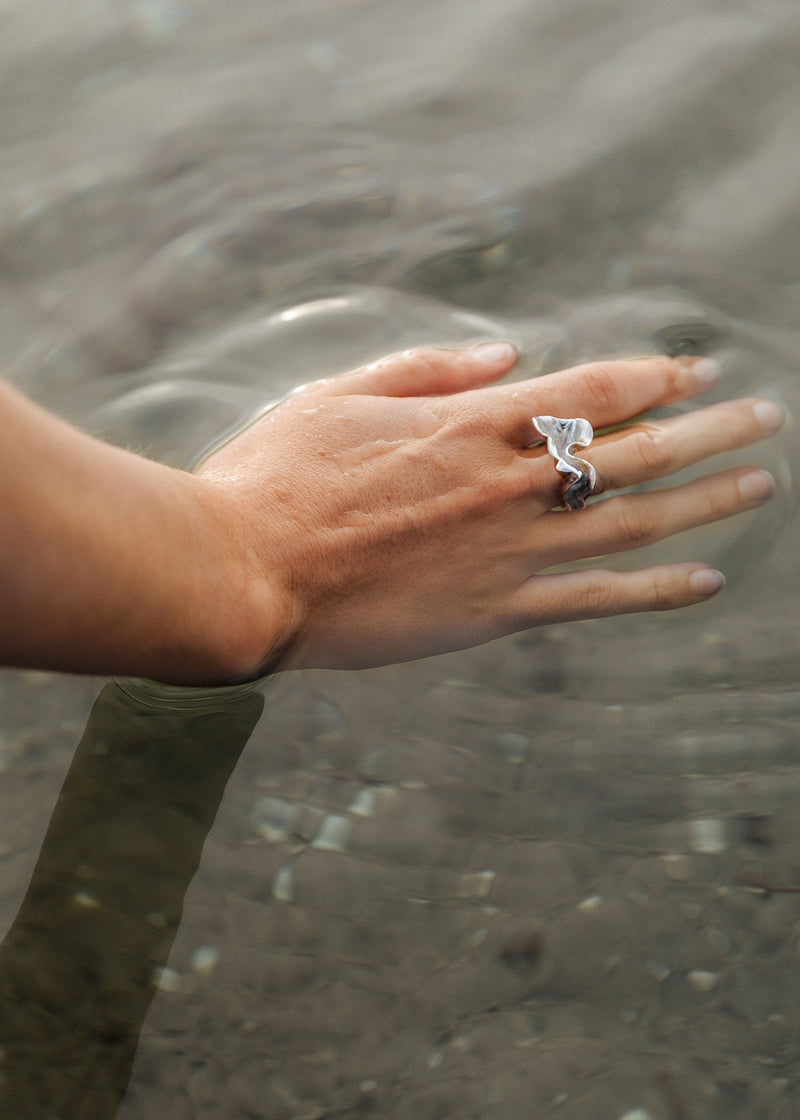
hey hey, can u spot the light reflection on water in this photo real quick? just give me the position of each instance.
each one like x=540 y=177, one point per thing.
x=557 y=876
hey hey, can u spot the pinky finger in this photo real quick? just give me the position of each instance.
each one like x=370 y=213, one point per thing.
x=597 y=593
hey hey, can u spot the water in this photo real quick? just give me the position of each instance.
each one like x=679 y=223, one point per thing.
x=554 y=877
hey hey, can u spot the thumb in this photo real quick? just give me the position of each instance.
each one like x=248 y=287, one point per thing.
x=430 y=371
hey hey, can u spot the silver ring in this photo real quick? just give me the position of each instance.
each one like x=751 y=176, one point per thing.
x=562 y=436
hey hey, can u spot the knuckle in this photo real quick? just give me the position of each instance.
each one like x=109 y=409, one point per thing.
x=652 y=451
x=602 y=388
x=717 y=506
x=633 y=522
x=598 y=596
x=424 y=358
x=662 y=591
x=469 y=422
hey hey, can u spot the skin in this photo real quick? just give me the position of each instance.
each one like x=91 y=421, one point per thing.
x=392 y=513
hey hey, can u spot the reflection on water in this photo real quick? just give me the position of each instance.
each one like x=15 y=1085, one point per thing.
x=558 y=876
x=88 y=948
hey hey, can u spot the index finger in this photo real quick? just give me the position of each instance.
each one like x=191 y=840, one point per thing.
x=605 y=393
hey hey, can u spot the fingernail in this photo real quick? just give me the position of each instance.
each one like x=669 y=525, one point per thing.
x=493 y=353
x=705 y=371
x=756 y=487
x=706 y=582
x=770 y=415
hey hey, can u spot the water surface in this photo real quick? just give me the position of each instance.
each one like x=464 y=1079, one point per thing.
x=554 y=877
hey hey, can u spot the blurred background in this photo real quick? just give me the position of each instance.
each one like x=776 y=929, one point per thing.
x=559 y=874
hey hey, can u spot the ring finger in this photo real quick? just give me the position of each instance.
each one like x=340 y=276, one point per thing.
x=655 y=449
x=635 y=520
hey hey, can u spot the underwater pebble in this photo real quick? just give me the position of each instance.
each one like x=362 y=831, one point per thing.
x=204 y=959
x=375 y=766
x=702 y=980
x=658 y=970
x=476 y=884
x=282 y=885
x=272 y=818
x=333 y=834
x=676 y=867
x=386 y=797
x=167 y=979
x=363 y=804
x=306 y=822
x=512 y=746
x=85 y=900
x=707 y=837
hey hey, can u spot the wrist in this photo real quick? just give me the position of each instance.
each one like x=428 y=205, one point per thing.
x=234 y=616
x=111 y=563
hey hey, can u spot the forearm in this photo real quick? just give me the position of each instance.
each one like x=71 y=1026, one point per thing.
x=112 y=563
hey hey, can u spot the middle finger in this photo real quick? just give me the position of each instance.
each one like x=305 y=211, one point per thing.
x=606 y=393
x=634 y=520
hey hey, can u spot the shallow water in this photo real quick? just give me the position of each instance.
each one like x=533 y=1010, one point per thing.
x=554 y=877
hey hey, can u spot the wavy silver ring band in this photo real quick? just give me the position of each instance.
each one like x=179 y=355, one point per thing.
x=562 y=436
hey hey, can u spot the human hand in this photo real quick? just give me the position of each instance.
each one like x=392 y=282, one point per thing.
x=399 y=511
